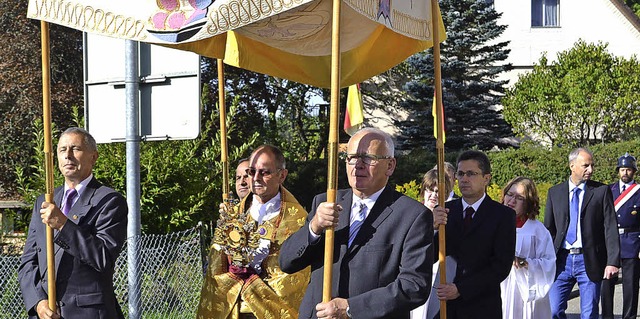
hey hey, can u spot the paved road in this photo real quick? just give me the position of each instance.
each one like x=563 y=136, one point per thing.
x=573 y=308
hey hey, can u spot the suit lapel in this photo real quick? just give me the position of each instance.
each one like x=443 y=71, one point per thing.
x=615 y=190
x=79 y=209
x=379 y=212
x=479 y=216
x=588 y=194
x=342 y=232
x=58 y=252
x=562 y=198
x=83 y=205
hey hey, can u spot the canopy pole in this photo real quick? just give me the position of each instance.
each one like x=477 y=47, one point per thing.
x=48 y=159
x=332 y=171
x=437 y=82
x=226 y=192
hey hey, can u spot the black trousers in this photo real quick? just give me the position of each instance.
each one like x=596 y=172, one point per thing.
x=630 y=278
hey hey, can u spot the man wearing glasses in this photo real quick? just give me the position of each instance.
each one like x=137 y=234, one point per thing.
x=243 y=278
x=382 y=242
x=582 y=221
x=481 y=237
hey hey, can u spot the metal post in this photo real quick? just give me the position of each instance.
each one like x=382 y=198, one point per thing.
x=132 y=93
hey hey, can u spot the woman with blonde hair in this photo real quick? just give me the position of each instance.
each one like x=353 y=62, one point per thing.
x=525 y=291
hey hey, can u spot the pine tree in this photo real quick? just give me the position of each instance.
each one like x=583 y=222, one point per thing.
x=471 y=59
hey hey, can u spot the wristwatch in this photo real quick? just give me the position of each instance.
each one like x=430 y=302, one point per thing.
x=348 y=311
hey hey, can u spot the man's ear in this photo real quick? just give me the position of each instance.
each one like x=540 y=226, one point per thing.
x=283 y=175
x=391 y=166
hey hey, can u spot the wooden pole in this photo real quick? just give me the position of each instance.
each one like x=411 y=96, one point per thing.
x=223 y=133
x=48 y=159
x=437 y=82
x=332 y=172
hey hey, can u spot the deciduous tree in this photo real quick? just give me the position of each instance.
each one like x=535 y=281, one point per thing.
x=587 y=96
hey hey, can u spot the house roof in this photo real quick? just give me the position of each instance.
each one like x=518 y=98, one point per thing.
x=627 y=13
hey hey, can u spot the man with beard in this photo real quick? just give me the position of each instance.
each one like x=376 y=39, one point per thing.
x=243 y=277
x=627 y=204
x=581 y=219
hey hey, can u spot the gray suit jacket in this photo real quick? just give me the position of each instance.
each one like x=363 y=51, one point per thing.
x=600 y=241
x=85 y=254
x=385 y=273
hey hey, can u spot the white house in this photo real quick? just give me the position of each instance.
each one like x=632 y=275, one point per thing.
x=537 y=26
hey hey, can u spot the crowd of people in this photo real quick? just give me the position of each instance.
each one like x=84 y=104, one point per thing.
x=267 y=259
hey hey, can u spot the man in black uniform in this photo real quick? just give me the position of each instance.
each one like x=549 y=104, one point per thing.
x=626 y=196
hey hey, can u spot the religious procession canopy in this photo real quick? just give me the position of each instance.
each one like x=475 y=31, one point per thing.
x=290 y=39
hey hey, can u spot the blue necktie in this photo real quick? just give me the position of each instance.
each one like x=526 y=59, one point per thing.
x=361 y=211
x=574 y=216
x=71 y=194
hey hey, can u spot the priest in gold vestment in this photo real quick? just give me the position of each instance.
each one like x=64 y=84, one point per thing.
x=243 y=277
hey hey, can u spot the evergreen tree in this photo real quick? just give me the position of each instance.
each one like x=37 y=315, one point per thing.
x=471 y=60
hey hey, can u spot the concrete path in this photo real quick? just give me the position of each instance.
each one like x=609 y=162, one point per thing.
x=573 y=308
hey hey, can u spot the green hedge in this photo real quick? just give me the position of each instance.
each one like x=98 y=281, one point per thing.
x=546 y=167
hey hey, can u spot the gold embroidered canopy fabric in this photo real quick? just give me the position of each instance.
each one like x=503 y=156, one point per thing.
x=284 y=38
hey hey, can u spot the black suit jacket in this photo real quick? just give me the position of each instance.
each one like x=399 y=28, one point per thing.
x=385 y=273
x=484 y=254
x=85 y=254
x=600 y=242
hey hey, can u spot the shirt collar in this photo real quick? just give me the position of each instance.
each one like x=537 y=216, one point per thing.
x=369 y=201
x=261 y=212
x=572 y=186
x=80 y=187
x=620 y=183
x=475 y=205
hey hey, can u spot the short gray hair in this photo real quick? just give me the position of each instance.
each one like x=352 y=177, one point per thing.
x=388 y=141
x=574 y=154
x=89 y=141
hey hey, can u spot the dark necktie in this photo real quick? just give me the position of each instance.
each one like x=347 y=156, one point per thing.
x=574 y=216
x=468 y=217
x=71 y=194
x=361 y=210
x=624 y=186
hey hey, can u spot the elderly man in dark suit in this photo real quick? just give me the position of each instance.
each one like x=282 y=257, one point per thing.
x=383 y=241
x=90 y=227
x=581 y=219
x=481 y=237
x=626 y=199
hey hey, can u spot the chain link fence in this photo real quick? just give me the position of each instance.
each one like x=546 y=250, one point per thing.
x=170 y=268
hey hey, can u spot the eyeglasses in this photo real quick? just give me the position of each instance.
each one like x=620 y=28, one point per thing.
x=518 y=198
x=251 y=171
x=470 y=174
x=367 y=159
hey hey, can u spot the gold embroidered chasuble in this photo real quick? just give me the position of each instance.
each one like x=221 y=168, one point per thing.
x=271 y=295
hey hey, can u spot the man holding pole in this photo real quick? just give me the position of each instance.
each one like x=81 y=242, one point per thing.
x=383 y=241
x=90 y=227
x=481 y=237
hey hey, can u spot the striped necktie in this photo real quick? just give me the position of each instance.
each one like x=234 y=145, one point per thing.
x=361 y=213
